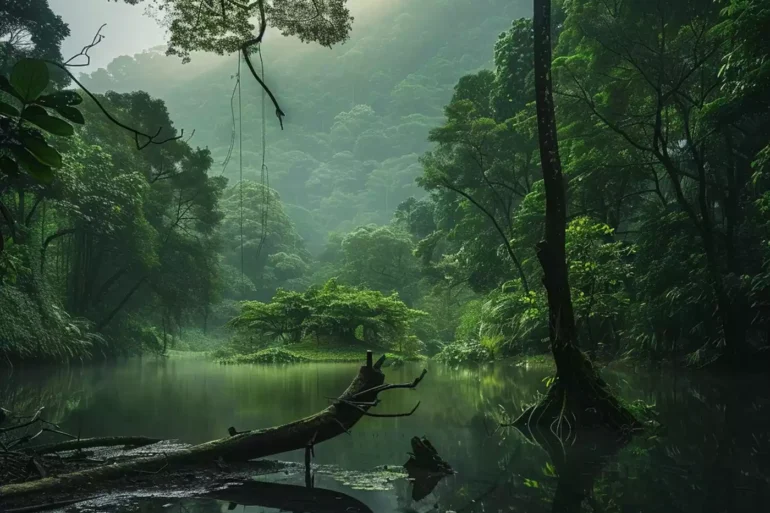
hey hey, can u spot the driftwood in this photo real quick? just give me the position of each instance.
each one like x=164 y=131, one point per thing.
x=425 y=467
x=425 y=457
x=338 y=418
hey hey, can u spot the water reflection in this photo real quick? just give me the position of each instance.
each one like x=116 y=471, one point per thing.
x=713 y=454
x=286 y=497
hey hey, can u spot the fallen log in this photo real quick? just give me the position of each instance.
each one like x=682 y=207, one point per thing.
x=90 y=443
x=338 y=418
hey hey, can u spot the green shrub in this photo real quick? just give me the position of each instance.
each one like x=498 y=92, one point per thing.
x=34 y=326
x=270 y=355
x=467 y=351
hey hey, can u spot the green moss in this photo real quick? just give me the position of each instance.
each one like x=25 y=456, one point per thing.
x=271 y=355
x=313 y=352
x=188 y=355
x=325 y=352
x=539 y=360
x=378 y=479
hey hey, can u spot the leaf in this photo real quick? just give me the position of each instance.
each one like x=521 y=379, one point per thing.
x=42 y=151
x=60 y=99
x=8 y=110
x=38 y=116
x=29 y=78
x=34 y=167
x=9 y=166
x=72 y=114
x=6 y=87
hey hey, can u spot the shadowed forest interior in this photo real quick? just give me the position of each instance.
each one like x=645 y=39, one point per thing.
x=534 y=234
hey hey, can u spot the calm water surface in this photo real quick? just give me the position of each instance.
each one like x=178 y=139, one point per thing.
x=712 y=453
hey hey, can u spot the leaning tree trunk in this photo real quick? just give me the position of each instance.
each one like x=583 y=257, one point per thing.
x=338 y=418
x=578 y=396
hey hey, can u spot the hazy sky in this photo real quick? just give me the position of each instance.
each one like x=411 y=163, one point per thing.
x=128 y=31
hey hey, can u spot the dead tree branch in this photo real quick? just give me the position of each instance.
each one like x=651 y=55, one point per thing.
x=84 y=52
x=141 y=139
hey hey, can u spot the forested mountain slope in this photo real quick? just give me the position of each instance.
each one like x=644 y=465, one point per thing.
x=358 y=114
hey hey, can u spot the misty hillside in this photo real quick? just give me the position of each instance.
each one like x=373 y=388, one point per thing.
x=358 y=114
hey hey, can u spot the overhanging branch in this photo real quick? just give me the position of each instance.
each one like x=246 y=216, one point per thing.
x=499 y=230
x=139 y=136
x=245 y=48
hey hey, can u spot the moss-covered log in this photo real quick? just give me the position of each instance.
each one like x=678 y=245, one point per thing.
x=338 y=418
x=89 y=443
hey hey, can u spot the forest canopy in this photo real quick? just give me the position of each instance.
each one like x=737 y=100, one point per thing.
x=409 y=165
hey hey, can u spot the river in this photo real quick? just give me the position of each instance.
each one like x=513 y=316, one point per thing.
x=710 y=453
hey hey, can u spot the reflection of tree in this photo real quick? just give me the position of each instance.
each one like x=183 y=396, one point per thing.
x=578 y=462
x=738 y=475
x=711 y=454
x=58 y=390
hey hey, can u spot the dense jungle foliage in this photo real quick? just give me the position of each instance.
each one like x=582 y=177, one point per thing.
x=401 y=204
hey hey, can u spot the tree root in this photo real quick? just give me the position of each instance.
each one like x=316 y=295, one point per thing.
x=578 y=400
x=336 y=419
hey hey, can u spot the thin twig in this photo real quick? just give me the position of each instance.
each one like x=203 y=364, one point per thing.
x=379 y=415
x=98 y=37
x=382 y=388
x=24 y=424
x=151 y=139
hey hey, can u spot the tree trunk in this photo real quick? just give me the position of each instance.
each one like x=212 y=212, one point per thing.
x=337 y=419
x=578 y=396
x=551 y=250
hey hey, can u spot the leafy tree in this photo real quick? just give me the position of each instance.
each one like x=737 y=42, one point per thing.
x=380 y=258
x=272 y=254
x=672 y=120
x=223 y=27
x=27 y=159
x=30 y=30
x=416 y=217
x=130 y=224
x=332 y=311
